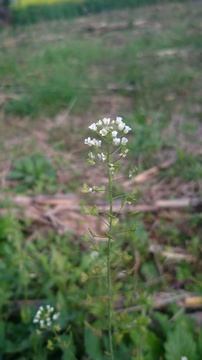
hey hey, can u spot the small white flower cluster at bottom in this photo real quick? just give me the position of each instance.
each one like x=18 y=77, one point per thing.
x=45 y=316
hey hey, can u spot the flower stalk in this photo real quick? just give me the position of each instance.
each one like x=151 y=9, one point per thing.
x=109 y=280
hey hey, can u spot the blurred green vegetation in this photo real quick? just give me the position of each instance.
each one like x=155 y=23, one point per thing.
x=71 y=9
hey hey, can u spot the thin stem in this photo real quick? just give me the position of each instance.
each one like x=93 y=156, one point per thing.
x=109 y=280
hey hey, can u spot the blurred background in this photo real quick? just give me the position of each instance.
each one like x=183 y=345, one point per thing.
x=64 y=65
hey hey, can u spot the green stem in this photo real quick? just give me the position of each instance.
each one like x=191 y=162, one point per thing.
x=109 y=280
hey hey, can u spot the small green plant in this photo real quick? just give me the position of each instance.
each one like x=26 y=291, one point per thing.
x=33 y=172
x=109 y=149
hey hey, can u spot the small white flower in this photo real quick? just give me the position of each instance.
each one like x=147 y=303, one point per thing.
x=103 y=132
x=118 y=120
x=93 y=127
x=42 y=326
x=124 y=141
x=126 y=129
x=91 y=156
x=97 y=143
x=113 y=122
x=99 y=123
x=121 y=126
x=111 y=168
x=184 y=358
x=102 y=157
x=88 y=141
x=106 y=121
x=116 y=141
x=56 y=316
x=114 y=133
x=124 y=153
x=45 y=316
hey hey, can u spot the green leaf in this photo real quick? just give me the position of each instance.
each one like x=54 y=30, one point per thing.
x=110 y=215
x=123 y=201
x=92 y=233
x=109 y=236
x=85 y=238
x=134 y=213
x=15 y=175
x=2 y=334
x=94 y=210
x=126 y=257
x=128 y=199
x=115 y=221
x=85 y=210
x=180 y=343
x=134 y=228
x=135 y=190
x=68 y=347
x=92 y=345
x=50 y=345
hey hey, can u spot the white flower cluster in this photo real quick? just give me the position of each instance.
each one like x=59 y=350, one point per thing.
x=109 y=130
x=45 y=316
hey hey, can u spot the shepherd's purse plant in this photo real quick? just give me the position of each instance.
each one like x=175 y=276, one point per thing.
x=107 y=149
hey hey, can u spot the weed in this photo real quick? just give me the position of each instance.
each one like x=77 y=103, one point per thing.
x=33 y=172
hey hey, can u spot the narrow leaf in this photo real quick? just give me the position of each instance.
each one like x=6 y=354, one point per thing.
x=92 y=233
x=110 y=215
x=134 y=213
x=130 y=199
x=109 y=236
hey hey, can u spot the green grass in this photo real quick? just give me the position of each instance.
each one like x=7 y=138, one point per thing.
x=67 y=68
x=72 y=9
x=48 y=80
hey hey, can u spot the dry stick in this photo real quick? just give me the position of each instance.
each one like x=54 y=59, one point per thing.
x=45 y=209
x=104 y=27
x=71 y=203
x=150 y=173
x=185 y=300
x=172 y=255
